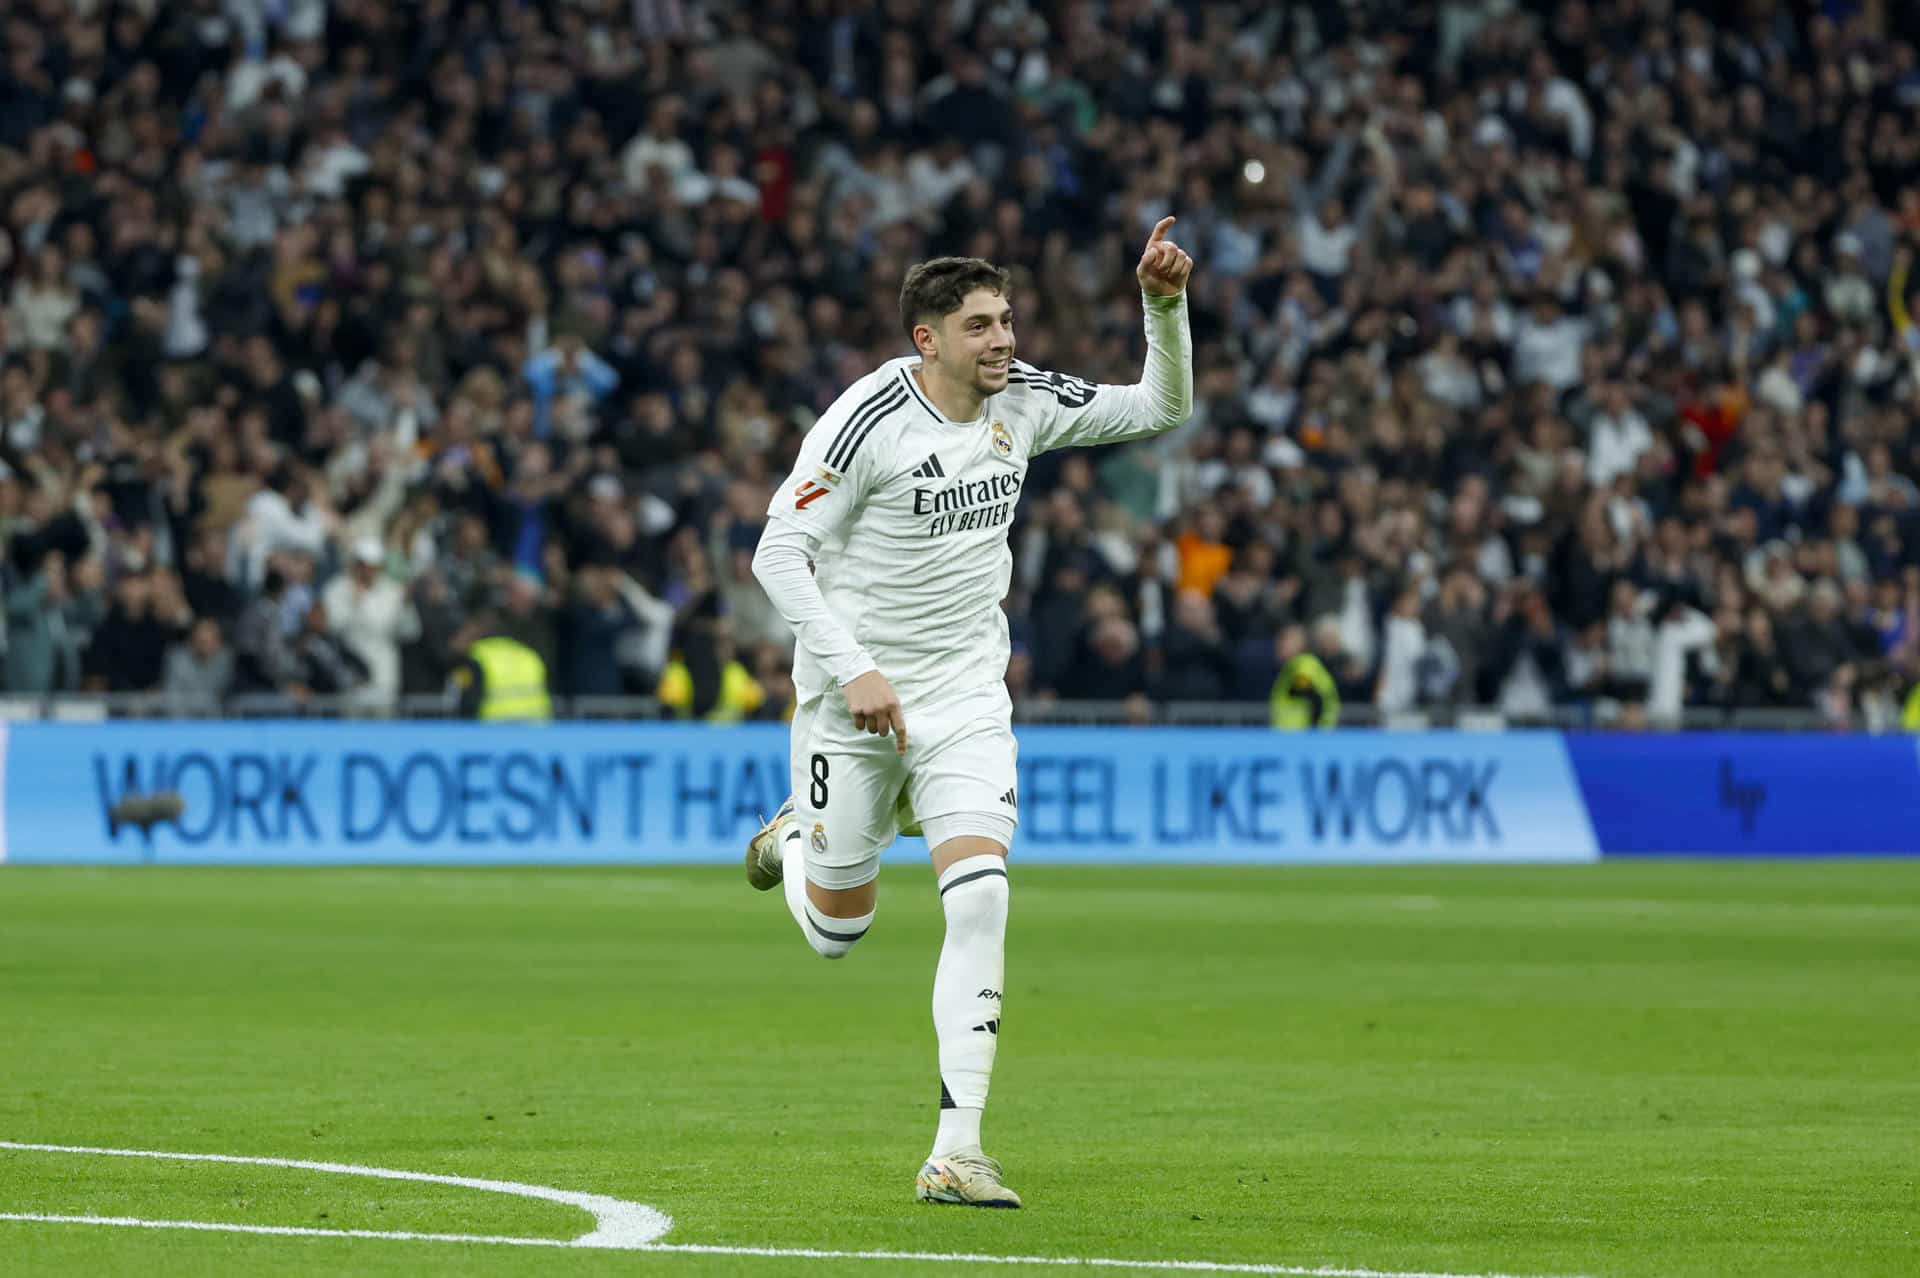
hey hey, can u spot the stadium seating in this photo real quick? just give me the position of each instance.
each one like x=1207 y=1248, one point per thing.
x=1561 y=365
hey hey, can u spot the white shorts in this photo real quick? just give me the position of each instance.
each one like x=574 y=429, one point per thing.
x=852 y=791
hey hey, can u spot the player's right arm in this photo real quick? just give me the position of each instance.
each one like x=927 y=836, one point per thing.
x=818 y=502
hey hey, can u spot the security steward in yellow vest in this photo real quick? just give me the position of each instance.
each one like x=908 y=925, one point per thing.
x=1305 y=695
x=1910 y=715
x=502 y=678
x=739 y=693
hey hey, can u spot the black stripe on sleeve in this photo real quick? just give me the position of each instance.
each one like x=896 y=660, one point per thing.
x=848 y=441
x=847 y=428
x=877 y=418
x=977 y=874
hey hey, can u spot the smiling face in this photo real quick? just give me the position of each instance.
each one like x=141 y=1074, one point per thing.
x=971 y=346
x=955 y=311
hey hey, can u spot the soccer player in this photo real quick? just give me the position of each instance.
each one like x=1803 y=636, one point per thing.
x=886 y=551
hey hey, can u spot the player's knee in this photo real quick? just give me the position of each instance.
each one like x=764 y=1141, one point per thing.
x=834 y=937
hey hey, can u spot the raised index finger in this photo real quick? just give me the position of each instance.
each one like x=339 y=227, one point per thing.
x=1160 y=229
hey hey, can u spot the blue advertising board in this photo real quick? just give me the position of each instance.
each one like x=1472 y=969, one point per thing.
x=1250 y=795
x=309 y=792
x=1751 y=793
x=391 y=793
x=312 y=792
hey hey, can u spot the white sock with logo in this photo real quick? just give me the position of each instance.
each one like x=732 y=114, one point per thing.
x=967 y=994
x=830 y=937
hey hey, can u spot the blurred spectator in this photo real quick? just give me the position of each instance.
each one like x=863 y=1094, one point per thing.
x=428 y=658
x=1818 y=640
x=705 y=678
x=265 y=659
x=199 y=671
x=369 y=613
x=1406 y=640
x=754 y=619
x=527 y=617
x=128 y=651
x=1110 y=666
x=1197 y=663
x=288 y=513
x=775 y=677
x=1456 y=622
x=567 y=380
x=1618 y=436
x=600 y=620
x=209 y=593
x=1526 y=667
x=1763 y=680
x=1251 y=601
x=328 y=666
x=1631 y=644
x=1204 y=555
x=43 y=301
x=50 y=622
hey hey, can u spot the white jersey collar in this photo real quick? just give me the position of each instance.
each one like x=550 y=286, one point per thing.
x=912 y=383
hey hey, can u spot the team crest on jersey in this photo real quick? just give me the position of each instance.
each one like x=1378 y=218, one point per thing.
x=819 y=839
x=1002 y=439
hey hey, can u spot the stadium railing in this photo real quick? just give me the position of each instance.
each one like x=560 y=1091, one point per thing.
x=1464 y=718
x=100 y=707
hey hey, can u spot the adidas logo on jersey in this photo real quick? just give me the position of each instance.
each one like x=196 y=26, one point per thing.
x=930 y=468
x=991 y=1027
x=1010 y=799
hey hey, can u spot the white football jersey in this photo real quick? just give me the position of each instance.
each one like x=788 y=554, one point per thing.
x=912 y=512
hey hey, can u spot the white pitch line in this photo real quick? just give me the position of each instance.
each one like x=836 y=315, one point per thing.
x=619 y=1225
x=286 y=1231
x=1095 y=1262
x=798 y=1253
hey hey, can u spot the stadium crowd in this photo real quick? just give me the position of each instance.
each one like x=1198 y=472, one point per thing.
x=1546 y=355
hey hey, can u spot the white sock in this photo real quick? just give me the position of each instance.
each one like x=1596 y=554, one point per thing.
x=793 y=873
x=830 y=937
x=959 y=1129
x=966 y=994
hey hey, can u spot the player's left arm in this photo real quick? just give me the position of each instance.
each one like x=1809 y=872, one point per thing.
x=1078 y=413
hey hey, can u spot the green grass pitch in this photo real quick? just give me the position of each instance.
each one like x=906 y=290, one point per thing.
x=1625 y=1069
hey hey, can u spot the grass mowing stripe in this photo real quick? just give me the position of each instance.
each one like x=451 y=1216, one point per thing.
x=1070 y=1262
x=796 y=1253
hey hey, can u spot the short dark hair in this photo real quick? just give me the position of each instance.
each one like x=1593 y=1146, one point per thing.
x=936 y=288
